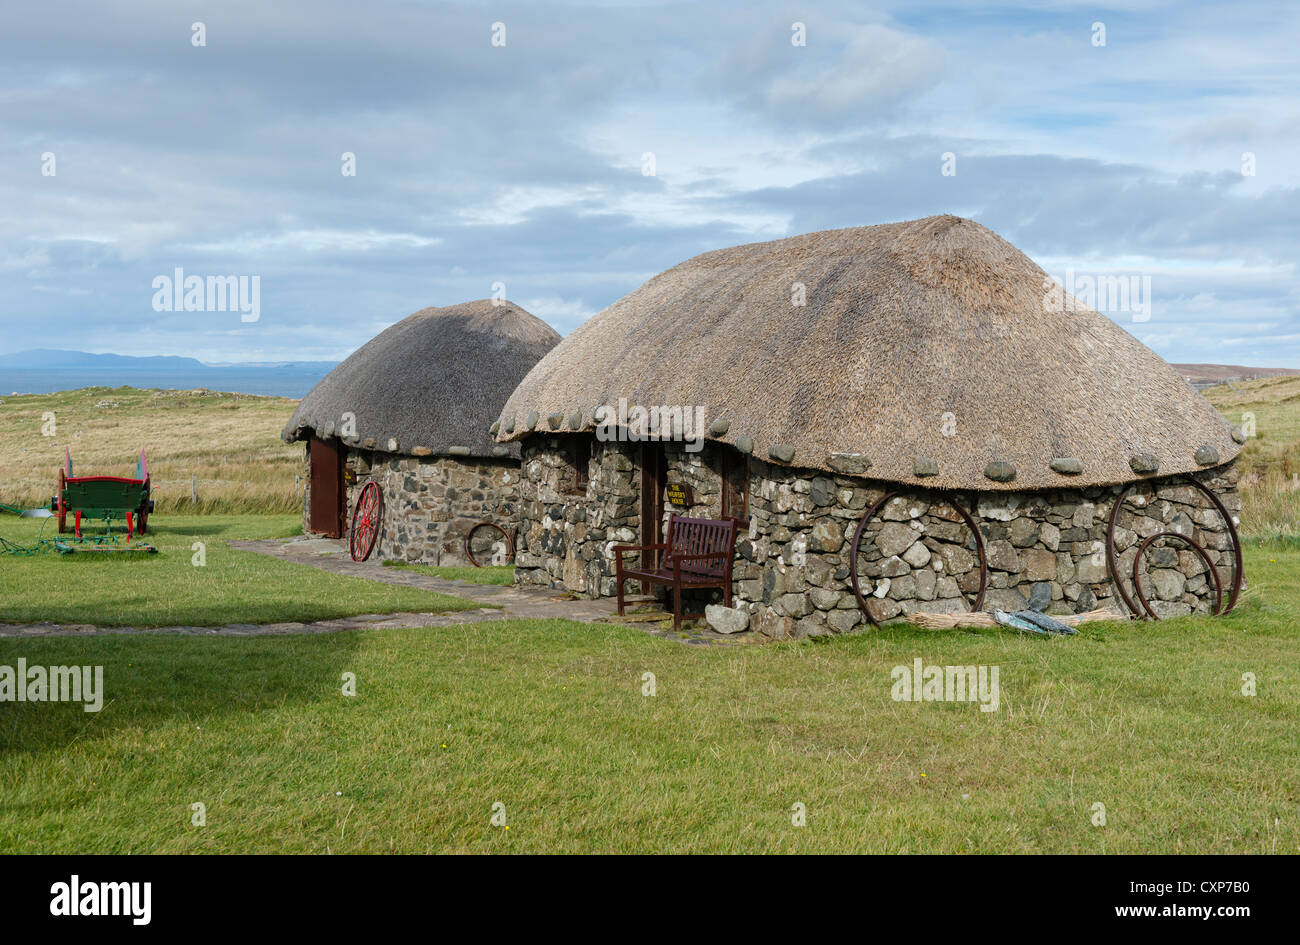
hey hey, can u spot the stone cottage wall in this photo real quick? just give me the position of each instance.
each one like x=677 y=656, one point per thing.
x=702 y=472
x=430 y=503
x=918 y=554
x=565 y=538
x=791 y=575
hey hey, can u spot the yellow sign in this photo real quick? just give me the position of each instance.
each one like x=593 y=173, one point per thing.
x=679 y=493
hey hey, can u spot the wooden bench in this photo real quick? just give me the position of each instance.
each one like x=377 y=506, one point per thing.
x=696 y=553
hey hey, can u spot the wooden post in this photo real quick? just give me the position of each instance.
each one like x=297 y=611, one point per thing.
x=194 y=488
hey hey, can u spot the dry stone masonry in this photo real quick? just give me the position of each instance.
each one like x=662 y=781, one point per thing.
x=431 y=503
x=567 y=536
x=1045 y=549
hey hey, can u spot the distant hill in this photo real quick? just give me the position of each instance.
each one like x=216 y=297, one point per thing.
x=43 y=371
x=43 y=358
x=53 y=358
x=1206 y=374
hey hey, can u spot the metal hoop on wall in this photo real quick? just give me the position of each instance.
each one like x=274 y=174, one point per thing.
x=1112 y=559
x=1137 y=561
x=510 y=542
x=870 y=513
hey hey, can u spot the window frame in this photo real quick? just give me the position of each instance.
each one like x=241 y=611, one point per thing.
x=579 y=456
x=734 y=473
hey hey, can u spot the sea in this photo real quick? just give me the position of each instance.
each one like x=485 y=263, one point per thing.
x=270 y=381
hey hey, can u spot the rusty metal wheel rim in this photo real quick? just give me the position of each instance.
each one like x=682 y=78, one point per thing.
x=870 y=513
x=510 y=542
x=1112 y=559
x=367 y=515
x=1214 y=572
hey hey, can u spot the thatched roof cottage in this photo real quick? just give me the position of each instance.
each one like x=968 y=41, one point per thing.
x=806 y=379
x=410 y=410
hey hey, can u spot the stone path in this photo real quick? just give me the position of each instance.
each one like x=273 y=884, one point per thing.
x=331 y=555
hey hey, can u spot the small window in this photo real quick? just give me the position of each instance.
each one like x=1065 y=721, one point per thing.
x=735 y=486
x=579 y=455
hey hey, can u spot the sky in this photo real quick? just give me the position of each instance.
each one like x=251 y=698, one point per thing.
x=564 y=153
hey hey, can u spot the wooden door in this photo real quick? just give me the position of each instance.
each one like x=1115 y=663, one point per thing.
x=327 y=491
x=653 y=474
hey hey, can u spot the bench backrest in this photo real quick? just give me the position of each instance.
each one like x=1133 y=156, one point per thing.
x=698 y=536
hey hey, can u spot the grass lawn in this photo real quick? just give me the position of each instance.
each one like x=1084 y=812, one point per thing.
x=488 y=574
x=549 y=719
x=167 y=589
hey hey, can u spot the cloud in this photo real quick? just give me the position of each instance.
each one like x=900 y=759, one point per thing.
x=521 y=164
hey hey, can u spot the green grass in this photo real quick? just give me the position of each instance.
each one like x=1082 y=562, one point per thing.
x=548 y=718
x=488 y=574
x=168 y=589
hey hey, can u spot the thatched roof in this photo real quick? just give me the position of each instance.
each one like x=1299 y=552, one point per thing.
x=923 y=347
x=431 y=384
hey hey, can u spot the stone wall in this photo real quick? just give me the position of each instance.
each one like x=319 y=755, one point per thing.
x=917 y=554
x=306 y=489
x=430 y=503
x=791 y=575
x=702 y=471
x=565 y=537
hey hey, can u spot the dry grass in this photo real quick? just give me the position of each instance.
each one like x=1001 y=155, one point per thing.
x=231 y=442
x=1270 y=461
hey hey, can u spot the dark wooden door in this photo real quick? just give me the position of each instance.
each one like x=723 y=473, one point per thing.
x=653 y=474
x=326 y=487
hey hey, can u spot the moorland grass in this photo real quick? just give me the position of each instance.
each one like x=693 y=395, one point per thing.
x=1269 y=409
x=225 y=446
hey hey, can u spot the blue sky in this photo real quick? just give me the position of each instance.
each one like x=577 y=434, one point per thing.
x=522 y=164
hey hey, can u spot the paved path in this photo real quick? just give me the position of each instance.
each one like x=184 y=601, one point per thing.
x=533 y=603
x=509 y=602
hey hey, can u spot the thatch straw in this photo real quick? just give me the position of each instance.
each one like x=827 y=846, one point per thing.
x=432 y=382
x=981 y=619
x=904 y=324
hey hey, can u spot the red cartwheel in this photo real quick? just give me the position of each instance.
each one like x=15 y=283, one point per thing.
x=366 y=517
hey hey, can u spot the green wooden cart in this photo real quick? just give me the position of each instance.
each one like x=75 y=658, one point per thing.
x=104 y=498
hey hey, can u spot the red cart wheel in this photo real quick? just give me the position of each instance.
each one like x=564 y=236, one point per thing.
x=63 y=508
x=366 y=517
x=142 y=513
